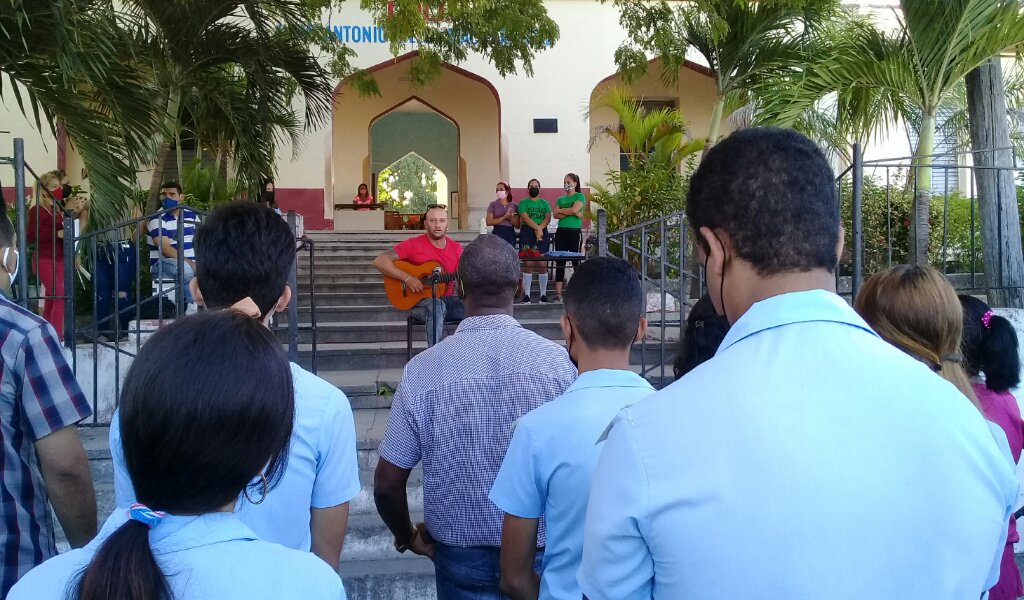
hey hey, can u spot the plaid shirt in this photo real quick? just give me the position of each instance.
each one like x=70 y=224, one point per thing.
x=38 y=396
x=455 y=409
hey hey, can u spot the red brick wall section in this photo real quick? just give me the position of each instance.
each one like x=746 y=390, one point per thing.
x=308 y=202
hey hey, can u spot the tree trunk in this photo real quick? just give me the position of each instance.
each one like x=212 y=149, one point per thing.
x=997 y=192
x=716 y=122
x=920 y=226
x=164 y=149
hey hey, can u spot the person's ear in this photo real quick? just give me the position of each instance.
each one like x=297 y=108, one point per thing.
x=197 y=295
x=284 y=300
x=641 y=330
x=566 y=326
x=460 y=288
x=715 y=251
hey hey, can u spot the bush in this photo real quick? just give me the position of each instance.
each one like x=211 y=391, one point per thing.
x=955 y=236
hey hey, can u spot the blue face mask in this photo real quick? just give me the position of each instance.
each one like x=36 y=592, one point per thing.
x=170 y=203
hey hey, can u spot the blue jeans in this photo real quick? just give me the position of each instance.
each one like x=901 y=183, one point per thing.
x=470 y=573
x=115 y=275
x=167 y=268
x=445 y=307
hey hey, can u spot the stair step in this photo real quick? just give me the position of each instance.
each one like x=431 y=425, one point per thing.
x=368 y=538
x=394 y=331
x=389 y=579
x=388 y=355
x=330 y=309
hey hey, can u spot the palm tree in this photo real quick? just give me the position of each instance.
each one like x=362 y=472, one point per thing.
x=64 y=61
x=656 y=144
x=742 y=41
x=241 y=60
x=917 y=69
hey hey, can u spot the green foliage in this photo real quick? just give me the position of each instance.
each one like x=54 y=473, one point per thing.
x=204 y=188
x=409 y=184
x=656 y=145
x=887 y=227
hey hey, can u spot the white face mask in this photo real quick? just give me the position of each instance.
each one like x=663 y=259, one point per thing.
x=17 y=264
x=502 y=194
x=570 y=187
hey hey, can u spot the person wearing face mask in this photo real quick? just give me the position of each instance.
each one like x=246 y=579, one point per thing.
x=46 y=232
x=502 y=214
x=569 y=236
x=44 y=462
x=163 y=240
x=805 y=459
x=535 y=213
x=266 y=195
x=547 y=468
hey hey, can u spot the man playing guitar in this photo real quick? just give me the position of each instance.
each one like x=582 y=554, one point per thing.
x=434 y=245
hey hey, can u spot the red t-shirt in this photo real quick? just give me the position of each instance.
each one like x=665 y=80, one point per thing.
x=419 y=250
x=42 y=230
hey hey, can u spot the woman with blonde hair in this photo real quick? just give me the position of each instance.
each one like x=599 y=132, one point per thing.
x=46 y=231
x=916 y=309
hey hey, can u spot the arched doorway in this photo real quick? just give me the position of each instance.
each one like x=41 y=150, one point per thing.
x=415 y=130
x=455 y=123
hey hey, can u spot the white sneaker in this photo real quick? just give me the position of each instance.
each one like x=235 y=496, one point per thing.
x=191 y=309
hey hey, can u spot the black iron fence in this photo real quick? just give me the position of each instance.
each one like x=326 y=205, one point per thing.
x=662 y=252
x=108 y=289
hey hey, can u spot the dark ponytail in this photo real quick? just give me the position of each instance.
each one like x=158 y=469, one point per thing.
x=124 y=568
x=990 y=346
x=193 y=444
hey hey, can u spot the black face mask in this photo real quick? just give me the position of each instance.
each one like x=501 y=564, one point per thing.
x=66 y=188
x=534 y=192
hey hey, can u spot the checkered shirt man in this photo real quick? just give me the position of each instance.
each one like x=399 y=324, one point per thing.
x=38 y=396
x=455 y=409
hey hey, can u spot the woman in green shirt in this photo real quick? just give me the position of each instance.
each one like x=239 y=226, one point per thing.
x=569 y=236
x=535 y=214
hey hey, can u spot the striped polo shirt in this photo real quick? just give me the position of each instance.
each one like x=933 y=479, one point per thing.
x=166 y=226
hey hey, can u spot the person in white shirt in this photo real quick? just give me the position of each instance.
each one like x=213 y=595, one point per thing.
x=246 y=251
x=193 y=446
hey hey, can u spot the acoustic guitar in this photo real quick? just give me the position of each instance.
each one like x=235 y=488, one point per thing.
x=403 y=298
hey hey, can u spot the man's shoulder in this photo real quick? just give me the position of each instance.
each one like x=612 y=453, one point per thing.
x=19 y=320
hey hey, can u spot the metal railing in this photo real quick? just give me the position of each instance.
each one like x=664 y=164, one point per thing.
x=111 y=303
x=662 y=252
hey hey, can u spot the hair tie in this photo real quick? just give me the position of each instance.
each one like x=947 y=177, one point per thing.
x=145 y=515
x=986 y=319
x=953 y=358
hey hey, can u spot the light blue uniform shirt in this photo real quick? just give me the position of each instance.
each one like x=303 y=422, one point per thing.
x=549 y=463
x=323 y=470
x=808 y=459
x=209 y=557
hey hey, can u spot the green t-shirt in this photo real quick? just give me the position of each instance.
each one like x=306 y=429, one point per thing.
x=573 y=222
x=536 y=209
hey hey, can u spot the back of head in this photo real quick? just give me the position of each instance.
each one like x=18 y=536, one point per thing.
x=704 y=332
x=773 y=192
x=990 y=346
x=206 y=406
x=916 y=309
x=489 y=271
x=605 y=302
x=243 y=250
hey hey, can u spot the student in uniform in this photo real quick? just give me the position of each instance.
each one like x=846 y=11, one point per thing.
x=554 y=448
x=193 y=448
x=569 y=236
x=534 y=214
x=992 y=361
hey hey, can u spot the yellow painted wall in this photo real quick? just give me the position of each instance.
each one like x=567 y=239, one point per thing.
x=694 y=94
x=469 y=103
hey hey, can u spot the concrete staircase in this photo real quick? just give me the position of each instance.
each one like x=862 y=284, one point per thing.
x=361 y=348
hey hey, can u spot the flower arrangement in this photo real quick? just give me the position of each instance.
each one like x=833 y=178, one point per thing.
x=529 y=252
